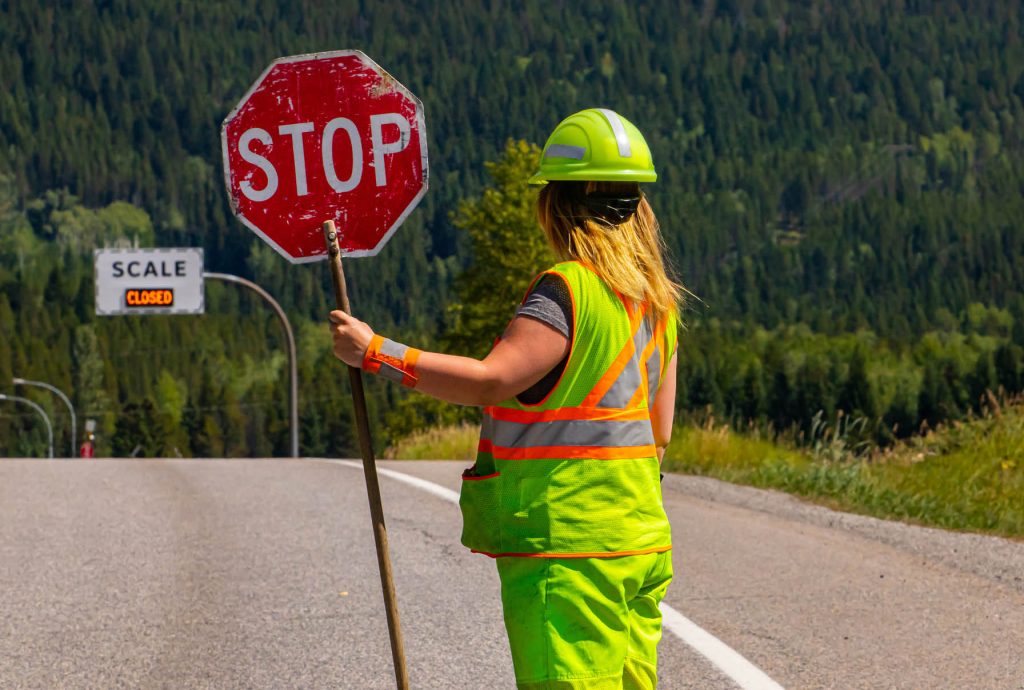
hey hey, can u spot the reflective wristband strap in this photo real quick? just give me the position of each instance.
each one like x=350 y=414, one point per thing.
x=391 y=360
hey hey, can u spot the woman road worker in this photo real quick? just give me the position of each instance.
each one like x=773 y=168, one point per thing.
x=578 y=397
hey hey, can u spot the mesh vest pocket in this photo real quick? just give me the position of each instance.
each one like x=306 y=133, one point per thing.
x=479 y=501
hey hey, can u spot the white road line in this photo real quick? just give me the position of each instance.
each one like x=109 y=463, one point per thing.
x=728 y=660
x=725 y=658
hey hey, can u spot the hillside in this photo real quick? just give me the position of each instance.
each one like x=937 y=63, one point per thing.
x=840 y=184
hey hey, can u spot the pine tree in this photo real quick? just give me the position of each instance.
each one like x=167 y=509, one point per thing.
x=856 y=396
x=508 y=251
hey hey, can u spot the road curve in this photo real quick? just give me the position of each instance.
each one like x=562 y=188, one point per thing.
x=261 y=573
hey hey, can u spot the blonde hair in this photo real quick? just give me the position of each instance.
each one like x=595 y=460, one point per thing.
x=628 y=256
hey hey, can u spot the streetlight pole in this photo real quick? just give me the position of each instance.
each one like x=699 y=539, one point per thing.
x=42 y=413
x=53 y=389
x=294 y=369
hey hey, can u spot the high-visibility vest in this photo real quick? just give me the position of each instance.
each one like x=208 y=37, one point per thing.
x=577 y=474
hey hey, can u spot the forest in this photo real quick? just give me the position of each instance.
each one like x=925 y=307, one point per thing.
x=841 y=188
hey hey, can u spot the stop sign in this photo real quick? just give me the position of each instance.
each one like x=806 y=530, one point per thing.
x=328 y=136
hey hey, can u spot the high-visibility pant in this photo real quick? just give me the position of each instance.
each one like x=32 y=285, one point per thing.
x=590 y=623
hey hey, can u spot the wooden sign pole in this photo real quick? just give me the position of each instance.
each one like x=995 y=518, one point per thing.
x=380 y=534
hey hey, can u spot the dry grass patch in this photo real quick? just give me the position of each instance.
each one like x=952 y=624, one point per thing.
x=440 y=443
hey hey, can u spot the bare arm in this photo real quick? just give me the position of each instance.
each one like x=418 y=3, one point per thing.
x=663 y=410
x=527 y=351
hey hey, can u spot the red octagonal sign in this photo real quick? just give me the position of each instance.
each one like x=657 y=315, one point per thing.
x=329 y=136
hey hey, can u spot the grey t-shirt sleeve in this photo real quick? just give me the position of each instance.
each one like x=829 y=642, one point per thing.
x=550 y=303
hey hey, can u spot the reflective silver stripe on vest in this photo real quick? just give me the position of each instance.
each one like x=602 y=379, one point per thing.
x=565 y=151
x=625 y=150
x=486 y=427
x=605 y=434
x=653 y=375
x=621 y=392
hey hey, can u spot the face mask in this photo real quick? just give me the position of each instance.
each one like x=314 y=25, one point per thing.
x=614 y=209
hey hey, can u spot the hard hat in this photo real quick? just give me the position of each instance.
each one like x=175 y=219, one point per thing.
x=595 y=144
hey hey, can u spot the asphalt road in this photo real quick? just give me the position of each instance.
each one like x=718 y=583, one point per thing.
x=262 y=574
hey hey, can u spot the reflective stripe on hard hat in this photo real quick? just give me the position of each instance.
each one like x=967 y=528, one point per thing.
x=625 y=150
x=565 y=151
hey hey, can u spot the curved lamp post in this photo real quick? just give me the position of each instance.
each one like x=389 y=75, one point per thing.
x=294 y=390
x=42 y=413
x=53 y=389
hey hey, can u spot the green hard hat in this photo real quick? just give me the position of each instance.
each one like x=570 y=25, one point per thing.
x=595 y=144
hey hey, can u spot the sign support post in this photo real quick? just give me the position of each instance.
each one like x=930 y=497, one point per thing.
x=18 y=381
x=42 y=413
x=293 y=371
x=380 y=534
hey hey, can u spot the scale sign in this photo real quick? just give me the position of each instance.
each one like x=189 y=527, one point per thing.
x=149 y=281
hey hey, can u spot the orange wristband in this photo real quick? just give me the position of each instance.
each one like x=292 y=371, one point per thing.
x=391 y=360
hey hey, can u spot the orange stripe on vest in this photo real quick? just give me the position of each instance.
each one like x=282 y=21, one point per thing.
x=566 y=414
x=574 y=452
x=595 y=554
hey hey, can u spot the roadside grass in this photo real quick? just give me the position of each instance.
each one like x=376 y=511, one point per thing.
x=965 y=476
x=457 y=442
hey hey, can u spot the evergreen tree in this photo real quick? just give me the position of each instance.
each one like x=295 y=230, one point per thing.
x=508 y=248
x=856 y=396
x=137 y=432
x=1009 y=364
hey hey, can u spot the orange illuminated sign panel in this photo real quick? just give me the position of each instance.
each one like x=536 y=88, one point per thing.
x=149 y=297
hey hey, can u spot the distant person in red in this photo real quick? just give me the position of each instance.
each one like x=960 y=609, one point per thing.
x=86 y=451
